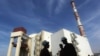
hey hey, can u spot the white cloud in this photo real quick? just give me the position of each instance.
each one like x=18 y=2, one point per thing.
x=3 y=34
x=60 y=6
x=93 y=30
x=49 y=5
x=3 y=31
x=92 y=25
x=3 y=49
x=84 y=3
x=92 y=15
x=25 y=19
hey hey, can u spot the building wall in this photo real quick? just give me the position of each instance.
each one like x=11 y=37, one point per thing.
x=55 y=41
x=46 y=36
x=32 y=44
x=83 y=46
x=81 y=43
x=43 y=35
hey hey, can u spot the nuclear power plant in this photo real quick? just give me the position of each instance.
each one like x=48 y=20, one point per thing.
x=31 y=45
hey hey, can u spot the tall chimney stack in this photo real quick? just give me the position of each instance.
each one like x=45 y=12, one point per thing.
x=80 y=26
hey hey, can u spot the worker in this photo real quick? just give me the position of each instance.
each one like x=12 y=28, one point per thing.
x=61 y=50
x=68 y=49
x=44 y=51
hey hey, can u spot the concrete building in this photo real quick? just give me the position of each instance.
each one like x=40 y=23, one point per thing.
x=34 y=43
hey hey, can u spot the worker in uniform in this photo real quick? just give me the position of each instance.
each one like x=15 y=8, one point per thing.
x=44 y=51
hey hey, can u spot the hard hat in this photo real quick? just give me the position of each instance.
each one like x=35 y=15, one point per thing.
x=45 y=43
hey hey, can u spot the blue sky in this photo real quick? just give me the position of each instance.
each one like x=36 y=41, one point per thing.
x=49 y=15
